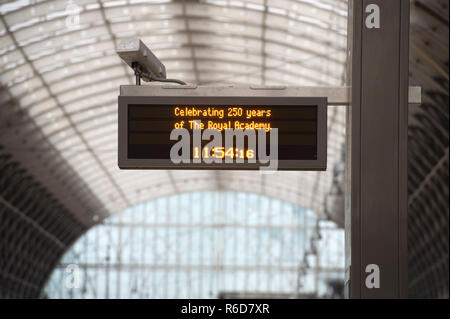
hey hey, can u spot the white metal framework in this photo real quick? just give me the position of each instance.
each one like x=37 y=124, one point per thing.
x=204 y=245
x=57 y=59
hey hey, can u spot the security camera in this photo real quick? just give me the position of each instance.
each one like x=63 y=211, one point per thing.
x=139 y=57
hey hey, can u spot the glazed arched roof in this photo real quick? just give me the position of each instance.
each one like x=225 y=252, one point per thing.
x=66 y=78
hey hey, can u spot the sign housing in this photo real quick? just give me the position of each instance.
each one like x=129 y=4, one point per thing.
x=147 y=121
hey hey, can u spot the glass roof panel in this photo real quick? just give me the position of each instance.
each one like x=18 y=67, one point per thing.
x=179 y=263
x=67 y=78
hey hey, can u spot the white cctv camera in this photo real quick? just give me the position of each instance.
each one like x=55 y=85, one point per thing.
x=137 y=55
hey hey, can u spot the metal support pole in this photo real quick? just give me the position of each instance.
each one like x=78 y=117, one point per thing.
x=376 y=176
x=138 y=79
x=135 y=67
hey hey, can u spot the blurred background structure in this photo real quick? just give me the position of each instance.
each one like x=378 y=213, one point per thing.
x=196 y=234
x=428 y=152
x=206 y=245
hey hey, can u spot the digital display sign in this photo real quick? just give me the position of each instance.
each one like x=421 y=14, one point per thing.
x=222 y=133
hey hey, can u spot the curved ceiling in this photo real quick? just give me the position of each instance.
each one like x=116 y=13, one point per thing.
x=58 y=65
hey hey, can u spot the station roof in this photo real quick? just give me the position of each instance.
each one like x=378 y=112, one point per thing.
x=58 y=62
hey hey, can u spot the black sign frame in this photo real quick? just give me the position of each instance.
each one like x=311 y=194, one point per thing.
x=320 y=164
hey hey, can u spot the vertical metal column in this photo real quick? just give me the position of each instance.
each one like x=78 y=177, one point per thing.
x=376 y=177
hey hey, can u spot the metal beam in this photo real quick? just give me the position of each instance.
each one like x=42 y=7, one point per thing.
x=376 y=181
x=193 y=267
x=337 y=96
